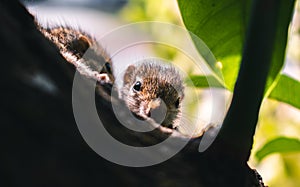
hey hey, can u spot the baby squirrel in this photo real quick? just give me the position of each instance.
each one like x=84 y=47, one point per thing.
x=149 y=86
x=82 y=50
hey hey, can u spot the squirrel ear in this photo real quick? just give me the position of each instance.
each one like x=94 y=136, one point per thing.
x=81 y=45
x=128 y=74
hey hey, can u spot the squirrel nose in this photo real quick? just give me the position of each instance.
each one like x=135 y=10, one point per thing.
x=158 y=110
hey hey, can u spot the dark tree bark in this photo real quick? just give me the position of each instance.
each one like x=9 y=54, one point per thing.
x=41 y=144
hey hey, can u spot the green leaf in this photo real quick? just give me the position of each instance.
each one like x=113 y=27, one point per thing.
x=203 y=81
x=287 y=90
x=222 y=26
x=279 y=145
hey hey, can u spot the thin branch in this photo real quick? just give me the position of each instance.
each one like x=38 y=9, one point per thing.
x=240 y=123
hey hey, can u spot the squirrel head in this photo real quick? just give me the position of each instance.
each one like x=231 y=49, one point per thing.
x=154 y=89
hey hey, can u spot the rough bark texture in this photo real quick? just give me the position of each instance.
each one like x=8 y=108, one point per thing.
x=41 y=144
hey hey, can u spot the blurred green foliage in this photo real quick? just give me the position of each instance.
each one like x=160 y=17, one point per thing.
x=279 y=145
x=149 y=10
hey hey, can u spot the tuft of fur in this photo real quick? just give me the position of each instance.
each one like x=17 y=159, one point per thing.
x=158 y=80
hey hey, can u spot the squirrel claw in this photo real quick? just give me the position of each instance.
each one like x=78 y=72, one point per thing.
x=103 y=78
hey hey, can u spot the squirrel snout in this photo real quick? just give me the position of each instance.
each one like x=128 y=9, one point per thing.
x=157 y=110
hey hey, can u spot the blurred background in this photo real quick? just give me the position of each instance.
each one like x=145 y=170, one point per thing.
x=276 y=119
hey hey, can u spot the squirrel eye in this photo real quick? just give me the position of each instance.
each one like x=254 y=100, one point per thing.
x=177 y=103
x=137 y=86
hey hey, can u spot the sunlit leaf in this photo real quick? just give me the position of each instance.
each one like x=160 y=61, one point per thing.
x=203 y=81
x=287 y=90
x=222 y=26
x=279 y=145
